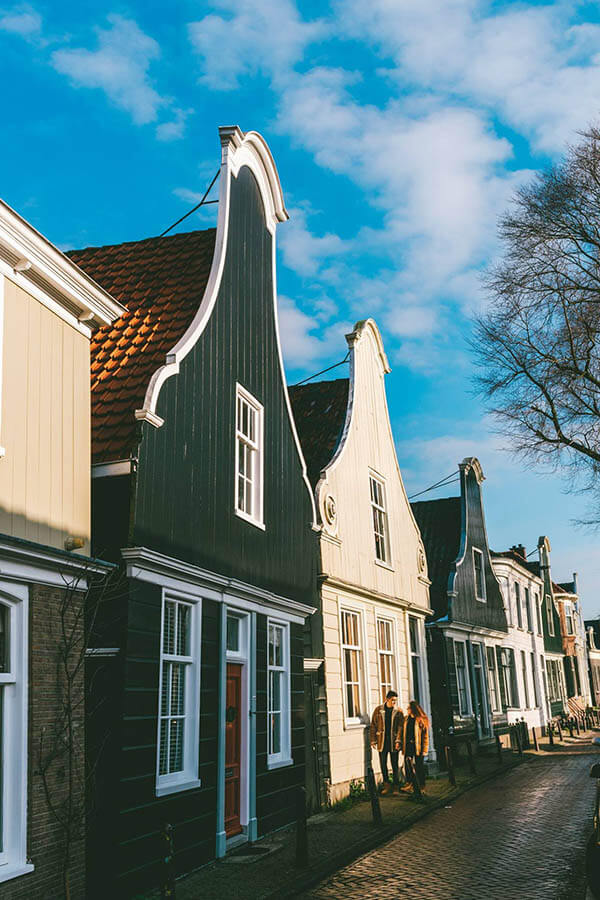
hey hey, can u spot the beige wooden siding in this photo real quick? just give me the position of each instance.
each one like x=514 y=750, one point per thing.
x=44 y=424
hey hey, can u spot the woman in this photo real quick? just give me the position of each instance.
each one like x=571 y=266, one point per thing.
x=415 y=742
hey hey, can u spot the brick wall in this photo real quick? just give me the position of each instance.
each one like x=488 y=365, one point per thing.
x=45 y=841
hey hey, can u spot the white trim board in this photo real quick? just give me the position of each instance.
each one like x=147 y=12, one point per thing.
x=41 y=565
x=156 y=568
x=108 y=469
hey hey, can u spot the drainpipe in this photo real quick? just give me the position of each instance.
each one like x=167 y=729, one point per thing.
x=222 y=672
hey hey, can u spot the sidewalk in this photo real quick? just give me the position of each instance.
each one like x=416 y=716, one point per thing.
x=267 y=869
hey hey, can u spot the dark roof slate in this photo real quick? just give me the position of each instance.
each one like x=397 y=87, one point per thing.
x=440 y=524
x=320 y=413
x=161 y=281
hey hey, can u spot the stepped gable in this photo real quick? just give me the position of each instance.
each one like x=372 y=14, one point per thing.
x=440 y=524
x=320 y=413
x=161 y=281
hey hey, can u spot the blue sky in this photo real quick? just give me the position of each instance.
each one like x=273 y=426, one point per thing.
x=400 y=129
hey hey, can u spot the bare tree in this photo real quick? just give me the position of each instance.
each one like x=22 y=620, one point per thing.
x=538 y=345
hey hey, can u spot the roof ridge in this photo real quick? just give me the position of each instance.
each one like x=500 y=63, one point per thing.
x=158 y=237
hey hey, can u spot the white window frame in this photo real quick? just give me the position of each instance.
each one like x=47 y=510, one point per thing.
x=519 y=605
x=389 y=653
x=14 y=686
x=187 y=778
x=256 y=447
x=528 y=610
x=506 y=671
x=477 y=553
x=536 y=692
x=538 y=608
x=492 y=676
x=380 y=510
x=569 y=618
x=416 y=655
x=284 y=756
x=549 y=614
x=467 y=691
x=353 y=720
x=525 y=677
x=505 y=590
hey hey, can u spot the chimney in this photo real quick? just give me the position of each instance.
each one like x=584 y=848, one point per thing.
x=575 y=585
x=519 y=549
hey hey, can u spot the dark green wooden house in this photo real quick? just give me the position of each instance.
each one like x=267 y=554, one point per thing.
x=465 y=632
x=195 y=673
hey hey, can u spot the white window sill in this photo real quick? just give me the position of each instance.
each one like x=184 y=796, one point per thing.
x=13 y=871
x=250 y=520
x=384 y=565
x=176 y=786
x=279 y=763
x=481 y=599
x=354 y=723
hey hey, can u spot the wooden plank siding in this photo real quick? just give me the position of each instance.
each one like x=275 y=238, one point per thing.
x=45 y=424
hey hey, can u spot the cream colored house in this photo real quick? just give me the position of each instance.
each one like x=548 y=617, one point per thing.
x=370 y=633
x=48 y=311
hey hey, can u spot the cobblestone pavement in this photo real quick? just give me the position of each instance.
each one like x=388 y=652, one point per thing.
x=520 y=837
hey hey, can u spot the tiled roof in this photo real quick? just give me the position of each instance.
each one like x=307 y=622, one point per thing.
x=320 y=412
x=161 y=281
x=517 y=558
x=440 y=525
x=563 y=587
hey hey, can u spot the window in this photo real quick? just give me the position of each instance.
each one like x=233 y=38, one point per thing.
x=179 y=690
x=525 y=679
x=569 y=618
x=549 y=616
x=278 y=705
x=528 y=610
x=479 y=574
x=249 y=458
x=385 y=647
x=518 y=604
x=508 y=676
x=13 y=734
x=555 y=689
x=461 y=677
x=536 y=600
x=415 y=659
x=492 y=678
x=380 y=525
x=352 y=657
x=505 y=588
x=536 y=693
x=233 y=633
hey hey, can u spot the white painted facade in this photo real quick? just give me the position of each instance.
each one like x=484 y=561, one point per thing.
x=372 y=597
x=523 y=593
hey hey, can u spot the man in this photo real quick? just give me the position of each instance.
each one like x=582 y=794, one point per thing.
x=386 y=734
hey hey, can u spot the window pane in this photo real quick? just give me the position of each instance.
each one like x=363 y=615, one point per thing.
x=275 y=733
x=233 y=633
x=413 y=633
x=183 y=630
x=166 y=689
x=416 y=676
x=176 y=745
x=275 y=691
x=169 y=628
x=4 y=639
x=164 y=747
x=177 y=689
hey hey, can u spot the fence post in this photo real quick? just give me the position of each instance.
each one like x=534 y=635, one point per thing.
x=167 y=888
x=471 y=759
x=570 y=723
x=301 y=829
x=499 y=749
x=577 y=725
x=450 y=765
x=375 y=807
x=519 y=741
x=550 y=733
x=535 y=740
x=559 y=729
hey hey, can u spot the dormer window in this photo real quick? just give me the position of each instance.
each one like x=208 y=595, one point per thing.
x=249 y=458
x=479 y=576
x=380 y=523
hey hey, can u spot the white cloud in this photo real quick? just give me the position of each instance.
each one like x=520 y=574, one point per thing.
x=119 y=66
x=175 y=129
x=251 y=36
x=22 y=20
x=304 y=251
x=300 y=345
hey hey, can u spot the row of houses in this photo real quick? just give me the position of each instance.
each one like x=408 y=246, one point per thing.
x=233 y=563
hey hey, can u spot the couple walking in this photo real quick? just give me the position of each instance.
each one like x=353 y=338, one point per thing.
x=392 y=732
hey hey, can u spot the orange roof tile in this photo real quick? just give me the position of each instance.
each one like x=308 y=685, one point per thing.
x=161 y=281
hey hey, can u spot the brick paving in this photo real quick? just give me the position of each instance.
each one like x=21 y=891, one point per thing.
x=521 y=836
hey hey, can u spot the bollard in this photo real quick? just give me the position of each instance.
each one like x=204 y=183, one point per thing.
x=570 y=723
x=499 y=749
x=472 y=768
x=375 y=807
x=550 y=733
x=301 y=829
x=519 y=742
x=535 y=740
x=577 y=725
x=167 y=888
x=450 y=765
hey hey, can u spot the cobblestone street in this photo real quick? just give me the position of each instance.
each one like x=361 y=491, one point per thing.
x=522 y=836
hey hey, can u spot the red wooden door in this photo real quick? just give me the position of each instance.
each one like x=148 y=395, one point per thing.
x=233 y=747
